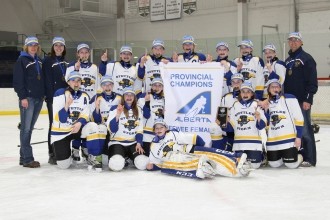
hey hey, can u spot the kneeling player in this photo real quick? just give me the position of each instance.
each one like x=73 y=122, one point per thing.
x=101 y=104
x=246 y=121
x=285 y=127
x=126 y=127
x=71 y=112
x=183 y=154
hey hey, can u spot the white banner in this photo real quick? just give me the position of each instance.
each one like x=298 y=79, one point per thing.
x=192 y=96
x=157 y=10
x=173 y=9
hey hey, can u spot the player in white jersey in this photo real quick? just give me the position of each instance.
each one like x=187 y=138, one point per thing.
x=274 y=68
x=123 y=73
x=285 y=127
x=71 y=114
x=251 y=67
x=227 y=101
x=189 y=55
x=246 y=121
x=90 y=83
x=100 y=105
x=230 y=67
x=152 y=105
x=90 y=77
x=126 y=127
x=183 y=154
x=148 y=65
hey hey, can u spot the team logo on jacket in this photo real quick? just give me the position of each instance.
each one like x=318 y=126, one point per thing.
x=275 y=119
x=87 y=82
x=297 y=63
x=196 y=108
x=168 y=148
x=244 y=119
x=125 y=83
x=131 y=124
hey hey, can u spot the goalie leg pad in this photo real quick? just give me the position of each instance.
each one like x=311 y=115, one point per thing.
x=182 y=164
x=116 y=162
x=225 y=161
x=141 y=162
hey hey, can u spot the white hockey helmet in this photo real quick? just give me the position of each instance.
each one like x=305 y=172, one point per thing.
x=247 y=85
x=269 y=47
x=247 y=43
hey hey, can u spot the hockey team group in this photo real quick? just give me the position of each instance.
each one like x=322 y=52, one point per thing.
x=112 y=116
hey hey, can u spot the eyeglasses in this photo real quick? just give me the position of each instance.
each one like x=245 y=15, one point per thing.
x=293 y=39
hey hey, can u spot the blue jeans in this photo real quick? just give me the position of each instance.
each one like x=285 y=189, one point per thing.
x=29 y=117
x=308 y=139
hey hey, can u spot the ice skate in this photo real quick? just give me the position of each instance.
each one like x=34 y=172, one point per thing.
x=75 y=155
x=94 y=162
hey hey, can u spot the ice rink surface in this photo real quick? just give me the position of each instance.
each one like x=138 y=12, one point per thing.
x=50 y=193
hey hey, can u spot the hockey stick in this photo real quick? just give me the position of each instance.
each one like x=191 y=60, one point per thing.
x=40 y=142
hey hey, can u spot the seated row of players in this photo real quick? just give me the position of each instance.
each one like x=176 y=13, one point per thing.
x=125 y=134
x=246 y=120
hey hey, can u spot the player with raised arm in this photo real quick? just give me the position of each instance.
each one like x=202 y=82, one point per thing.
x=90 y=84
x=152 y=105
x=148 y=64
x=251 y=67
x=100 y=105
x=123 y=73
x=71 y=115
x=246 y=121
x=189 y=55
x=230 y=67
x=126 y=127
x=184 y=154
x=274 y=68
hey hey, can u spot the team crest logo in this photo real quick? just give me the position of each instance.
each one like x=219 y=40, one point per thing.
x=159 y=113
x=297 y=63
x=244 y=119
x=168 y=148
x=248 y=75
x=131 y=124
x=125 y=83
x=275 y=119
x=87 y=82
x=74 y=115
x=201 y=104
x=155 y=75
